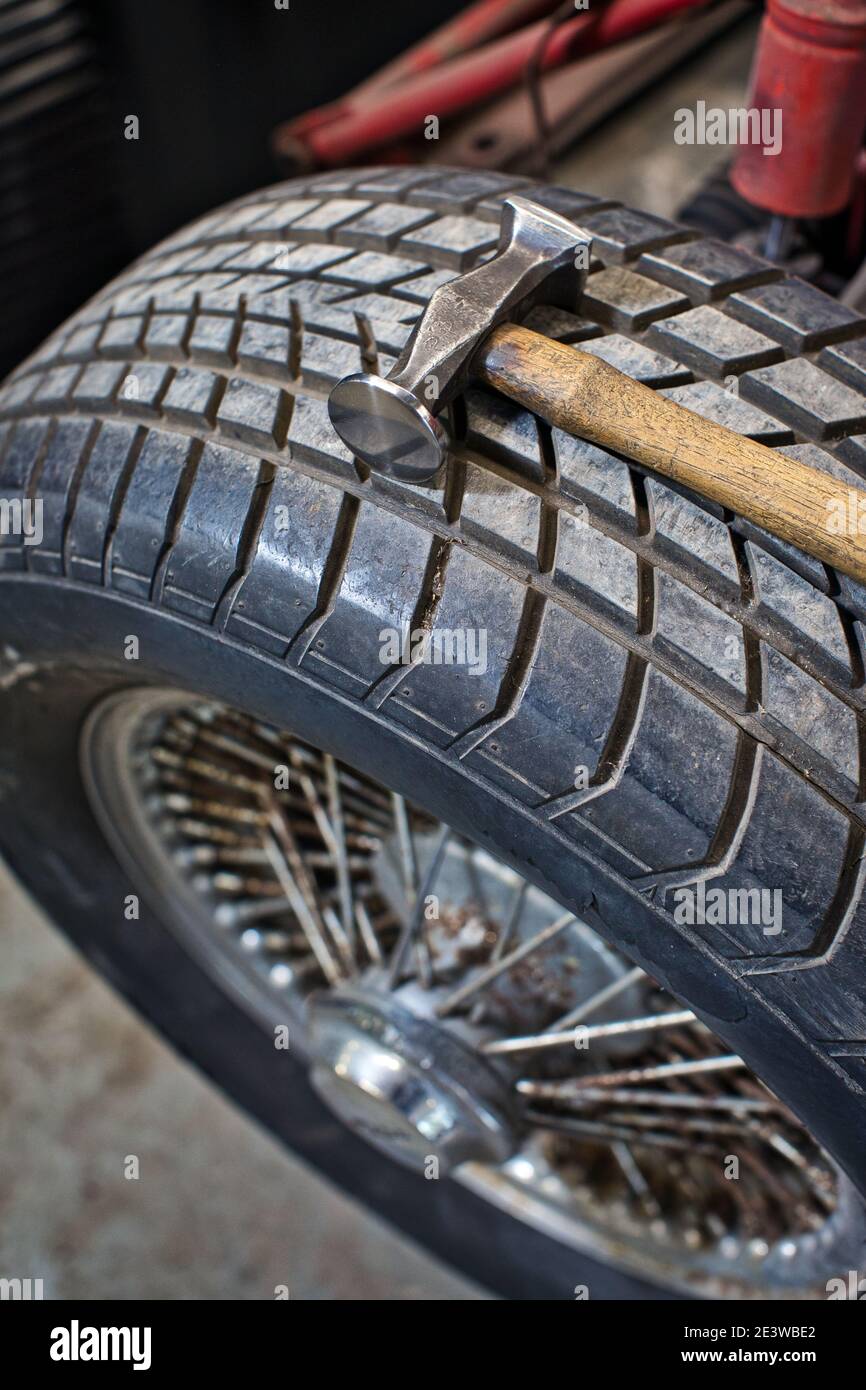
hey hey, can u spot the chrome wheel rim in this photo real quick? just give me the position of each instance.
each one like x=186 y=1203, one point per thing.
x=457 y=1018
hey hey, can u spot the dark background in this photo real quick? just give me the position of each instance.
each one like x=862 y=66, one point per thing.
x=208 y=79
x=211 y=78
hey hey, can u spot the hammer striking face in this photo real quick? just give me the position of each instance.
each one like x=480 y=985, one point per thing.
x=390 y=423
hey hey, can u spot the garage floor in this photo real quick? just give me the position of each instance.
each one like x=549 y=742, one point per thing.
x=219 y=1211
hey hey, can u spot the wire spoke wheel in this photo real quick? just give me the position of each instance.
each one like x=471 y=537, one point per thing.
x=454 y=1015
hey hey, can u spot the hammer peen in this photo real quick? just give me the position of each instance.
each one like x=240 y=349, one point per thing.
x=467 y=333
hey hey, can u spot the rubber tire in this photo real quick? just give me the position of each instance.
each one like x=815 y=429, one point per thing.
x=167 y=428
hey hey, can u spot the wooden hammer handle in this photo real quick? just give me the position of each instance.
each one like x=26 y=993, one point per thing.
x=584 y=395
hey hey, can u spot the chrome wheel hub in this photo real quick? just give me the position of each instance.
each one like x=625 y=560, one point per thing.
x=406 y=1084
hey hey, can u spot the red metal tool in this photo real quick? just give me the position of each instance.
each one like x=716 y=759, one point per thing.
x=578 y=96
x=376 y=116
x=478 y=24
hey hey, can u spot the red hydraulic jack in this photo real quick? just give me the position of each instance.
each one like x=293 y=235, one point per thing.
x=811 y=65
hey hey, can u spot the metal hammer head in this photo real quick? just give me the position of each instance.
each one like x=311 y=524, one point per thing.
x=390 y=422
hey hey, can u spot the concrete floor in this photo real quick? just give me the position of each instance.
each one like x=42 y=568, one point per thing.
x=219 y=1211
x=633 y=157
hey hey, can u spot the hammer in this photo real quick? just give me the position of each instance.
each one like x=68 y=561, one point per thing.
x=468 y=332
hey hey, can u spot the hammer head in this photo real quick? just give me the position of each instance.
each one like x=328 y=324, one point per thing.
x=390 y=422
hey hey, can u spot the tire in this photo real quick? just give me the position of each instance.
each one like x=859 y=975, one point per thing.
x=709 y=678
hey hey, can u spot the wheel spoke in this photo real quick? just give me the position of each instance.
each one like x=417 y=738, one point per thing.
x=540 y=1042
x=341 y=860
x=368 y=932
x=493 y=972
x=413 y=930
x=504 y=939
x=512 y=921
x=635 y=1178
x=311 y=927
x=613 y=1134
x=673 y=1100
x=600 y=998
x=631 y=1076
x=408 y=857
x=299 y=877
x=409 y=867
